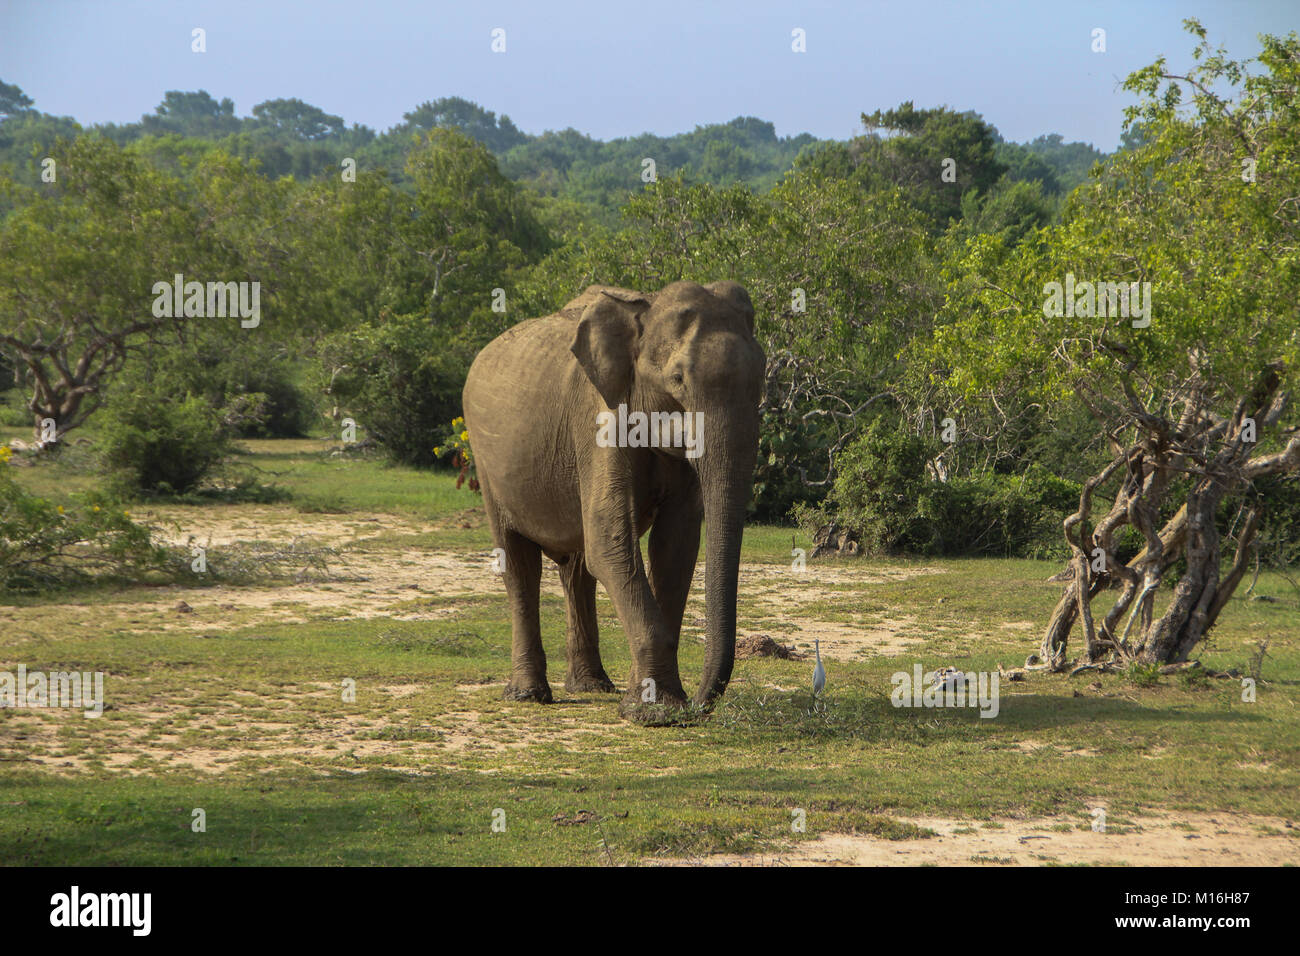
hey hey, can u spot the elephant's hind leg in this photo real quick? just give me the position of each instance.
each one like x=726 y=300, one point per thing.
x=523 y=574
x=585 y=671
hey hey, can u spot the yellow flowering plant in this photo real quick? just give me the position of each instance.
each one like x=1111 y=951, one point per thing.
x=456 y=445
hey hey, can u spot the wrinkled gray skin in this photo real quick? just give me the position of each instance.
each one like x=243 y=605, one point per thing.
x=531 y=402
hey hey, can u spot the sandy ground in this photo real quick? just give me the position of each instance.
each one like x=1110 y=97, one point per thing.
x=1152 y=839
x=376 y=581
x=373 y=581
x=140 y=748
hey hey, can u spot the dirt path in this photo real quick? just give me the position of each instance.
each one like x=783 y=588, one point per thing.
x=1153 y=839
x=371 y=578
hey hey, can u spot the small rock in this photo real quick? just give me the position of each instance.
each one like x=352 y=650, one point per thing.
x=183 y=608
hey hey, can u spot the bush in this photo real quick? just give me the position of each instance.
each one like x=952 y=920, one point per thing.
x=14 y=411
x=1279 y=538
x=1143 y=674
x=1005 y=515
x=401 y=377
x=254 y=386
x=158 y=444
x=784 y=440
x=883 y=493
x=44 y=545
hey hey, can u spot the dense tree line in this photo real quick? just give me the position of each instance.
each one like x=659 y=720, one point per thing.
x=589 y=179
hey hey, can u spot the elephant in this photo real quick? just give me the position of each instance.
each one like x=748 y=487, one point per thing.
x=542 y=402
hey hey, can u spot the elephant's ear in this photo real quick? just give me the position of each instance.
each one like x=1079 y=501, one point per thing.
x=606 y=343
x=734 y=294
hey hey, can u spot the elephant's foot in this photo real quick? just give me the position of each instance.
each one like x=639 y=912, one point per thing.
x=667 y=704
x=533 y=690
x=704 y=702
x=587 y=681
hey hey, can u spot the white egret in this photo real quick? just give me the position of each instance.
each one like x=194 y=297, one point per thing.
x=819 y=672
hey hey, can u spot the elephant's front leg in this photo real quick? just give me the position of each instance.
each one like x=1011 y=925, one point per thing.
x=614 y=557
x=674 y=549
x=585 y=672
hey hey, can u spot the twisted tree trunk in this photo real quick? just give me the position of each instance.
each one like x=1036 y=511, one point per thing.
x=1216 y=453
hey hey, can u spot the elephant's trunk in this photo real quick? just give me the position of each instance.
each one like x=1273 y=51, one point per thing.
x=726 y=472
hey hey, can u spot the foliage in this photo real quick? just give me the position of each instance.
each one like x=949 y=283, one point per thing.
x=45 y=545
x=881 y=491
x=160 y=442
x=1143 y=674
x=254 y=388
x=401 y=377
x=1279 y=542
x=454 y=112
x=79 y=258
x=471 y=232
x=886 y=492
x=455 y=445
x=934 y=157
x=1010 y=211
x=1175 y=213
x=1070 y=162
x=1196 y=222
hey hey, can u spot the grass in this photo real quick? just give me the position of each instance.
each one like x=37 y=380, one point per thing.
x=415 y=766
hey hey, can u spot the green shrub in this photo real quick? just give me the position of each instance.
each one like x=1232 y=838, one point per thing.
x=1143 y=674
x=159 y=444
x=884 y=494
x=254 y=386
x=15 y=413
x=1004 y=515
x=1279 y=537
x=401 y=377
x=44 y=545
x=285 y=410
x=784 y=439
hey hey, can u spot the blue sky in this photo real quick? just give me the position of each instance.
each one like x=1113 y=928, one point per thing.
x=616 y=69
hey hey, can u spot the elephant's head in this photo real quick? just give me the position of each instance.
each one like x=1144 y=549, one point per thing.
x=689 y=349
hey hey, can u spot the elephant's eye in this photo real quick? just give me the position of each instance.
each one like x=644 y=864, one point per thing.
x=677 y=378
